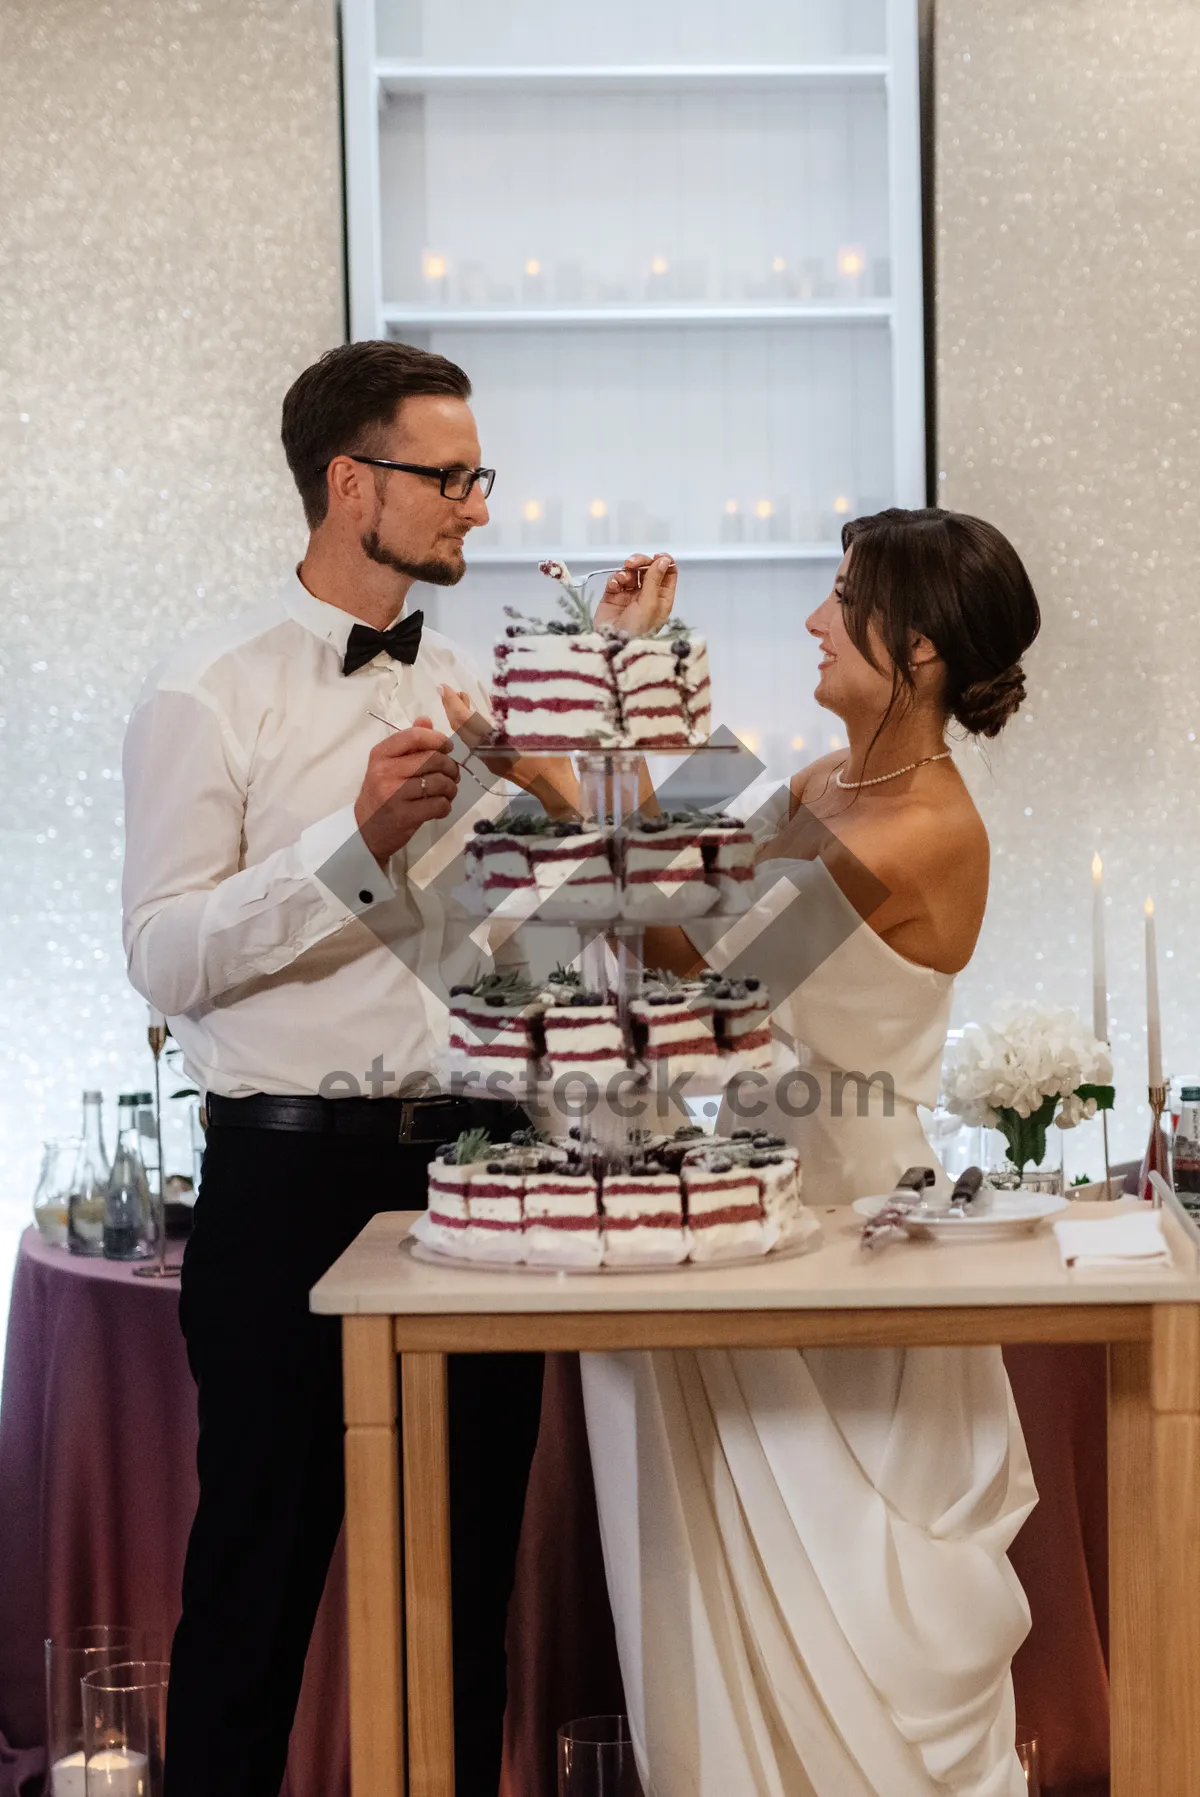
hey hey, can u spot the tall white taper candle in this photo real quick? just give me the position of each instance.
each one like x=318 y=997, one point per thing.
x=1099 y=957
x=1153 y=1013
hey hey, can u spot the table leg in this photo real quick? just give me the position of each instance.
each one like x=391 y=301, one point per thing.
x=424 y=1427
x=1131 y=1612
x=1175 y=1393
x=373 y=1558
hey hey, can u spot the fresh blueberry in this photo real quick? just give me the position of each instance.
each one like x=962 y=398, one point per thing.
x=741 y=1135
x=720 y=1163
x=752 y=985
x=484 y=827
x=758 y=1160
x=495 y=1167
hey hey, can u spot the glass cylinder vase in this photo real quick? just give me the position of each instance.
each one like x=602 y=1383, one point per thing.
x=125 y=1728
x=68 y=1659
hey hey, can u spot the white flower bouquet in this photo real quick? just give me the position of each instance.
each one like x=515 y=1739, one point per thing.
x=1033 y=1065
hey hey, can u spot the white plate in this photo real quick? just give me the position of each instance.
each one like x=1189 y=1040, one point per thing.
x=1009 y=1214
x=790 y=1250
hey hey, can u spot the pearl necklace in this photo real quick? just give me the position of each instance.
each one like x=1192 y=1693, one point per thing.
x=853 y=785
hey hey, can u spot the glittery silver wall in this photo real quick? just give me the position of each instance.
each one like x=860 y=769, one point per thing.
x=170 y=222
x=1069 y=413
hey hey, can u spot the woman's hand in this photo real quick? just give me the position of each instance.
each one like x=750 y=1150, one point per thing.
x=469 y=725
x=639 y=598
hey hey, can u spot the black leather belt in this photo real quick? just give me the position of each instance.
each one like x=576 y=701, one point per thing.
x=436 y=1119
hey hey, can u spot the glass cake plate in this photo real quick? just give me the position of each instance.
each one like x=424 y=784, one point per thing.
x=1009 y=1215
x=790 y=1249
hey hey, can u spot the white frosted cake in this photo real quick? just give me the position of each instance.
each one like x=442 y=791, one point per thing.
x=672 y=1021
x=564 y=684
x=555 y=687
x=562 y=1219
x=643 y=1217
x=728 y=851
x=584 y=1036
x=724 y=1208
x=492 y=1024
x=674 y=1198
x=664 y=873
x=572 y=873
x=742 y=1019
x=496 y=1214
x=534 y=865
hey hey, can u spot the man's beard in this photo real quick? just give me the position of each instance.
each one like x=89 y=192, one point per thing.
x=438 y=574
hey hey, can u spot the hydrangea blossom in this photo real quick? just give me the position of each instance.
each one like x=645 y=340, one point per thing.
x=1029 y=1053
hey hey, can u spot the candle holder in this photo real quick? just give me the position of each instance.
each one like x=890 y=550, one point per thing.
x=160 y=1267
x=1157 y=1157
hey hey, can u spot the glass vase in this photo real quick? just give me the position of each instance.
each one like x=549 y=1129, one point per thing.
x=595 y=1759
x=68 y=1659
x=125 y=1728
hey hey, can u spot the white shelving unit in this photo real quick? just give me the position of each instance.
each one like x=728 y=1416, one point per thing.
x=677 y=248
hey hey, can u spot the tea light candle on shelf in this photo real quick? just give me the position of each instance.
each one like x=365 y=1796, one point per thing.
x=118 y=1772
x=1099 y=956
x=1153 y=1013
x=68 y=1777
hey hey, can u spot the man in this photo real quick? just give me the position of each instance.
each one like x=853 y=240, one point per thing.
x=270 y=811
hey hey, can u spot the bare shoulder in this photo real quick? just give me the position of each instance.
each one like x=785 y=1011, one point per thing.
x=928 y=837
x=812 y=780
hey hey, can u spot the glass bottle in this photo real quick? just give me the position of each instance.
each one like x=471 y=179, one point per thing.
x=129 y=1232
x=85 y=1205
x=1186 y=1153
x=53 y=1189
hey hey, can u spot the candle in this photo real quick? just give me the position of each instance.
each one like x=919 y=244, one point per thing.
x=67 y=1778
x=1153 y=1014
x=118 y=1772
x=1099 y=958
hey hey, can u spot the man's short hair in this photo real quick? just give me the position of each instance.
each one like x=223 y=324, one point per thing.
x=340 y=405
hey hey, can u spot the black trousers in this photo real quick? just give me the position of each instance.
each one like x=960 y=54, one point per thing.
x=275 y=1211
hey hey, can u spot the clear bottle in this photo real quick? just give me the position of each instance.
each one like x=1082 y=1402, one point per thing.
x=52 y=1192
x=129 y=1232
x=85 y=1205
x=1186 y=1150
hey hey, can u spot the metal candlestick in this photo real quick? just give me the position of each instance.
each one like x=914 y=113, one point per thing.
x=1155 y=1159
x=156 y=1035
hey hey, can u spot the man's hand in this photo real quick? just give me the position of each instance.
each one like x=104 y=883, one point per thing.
x=410 y=781
x=640 y=597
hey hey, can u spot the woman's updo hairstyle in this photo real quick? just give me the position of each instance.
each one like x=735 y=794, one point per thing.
x=957 y=581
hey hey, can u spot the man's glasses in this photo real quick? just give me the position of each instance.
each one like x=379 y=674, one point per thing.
x=456 y=483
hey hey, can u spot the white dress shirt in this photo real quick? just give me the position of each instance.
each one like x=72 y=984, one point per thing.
x=255 y=916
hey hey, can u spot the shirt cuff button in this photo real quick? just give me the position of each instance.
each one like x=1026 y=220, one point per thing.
x=365 y=897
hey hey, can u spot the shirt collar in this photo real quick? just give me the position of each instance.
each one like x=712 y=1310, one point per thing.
x=329 y=622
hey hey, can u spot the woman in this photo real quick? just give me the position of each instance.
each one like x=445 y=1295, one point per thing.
x=805 y=1551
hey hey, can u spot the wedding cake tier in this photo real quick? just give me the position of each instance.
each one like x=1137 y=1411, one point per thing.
x=687 y=1197
x=509 y=1024
x=562 y=684
x=664 y=869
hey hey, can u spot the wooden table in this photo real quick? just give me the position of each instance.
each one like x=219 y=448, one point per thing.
x=910 y=1295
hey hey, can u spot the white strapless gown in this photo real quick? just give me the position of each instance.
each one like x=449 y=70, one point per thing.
x=806 y=1551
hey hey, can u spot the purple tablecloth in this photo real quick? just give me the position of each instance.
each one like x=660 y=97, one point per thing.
x=97 y=1491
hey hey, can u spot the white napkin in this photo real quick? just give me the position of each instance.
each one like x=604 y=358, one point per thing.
x=1134 y=1238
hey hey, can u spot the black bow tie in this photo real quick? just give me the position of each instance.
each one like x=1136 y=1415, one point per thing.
x=401 y=642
